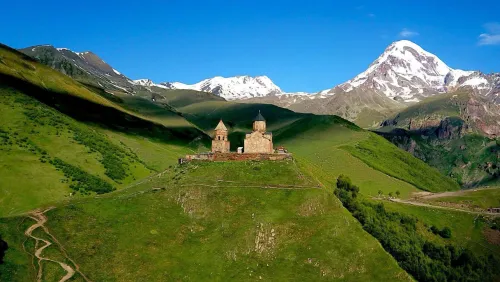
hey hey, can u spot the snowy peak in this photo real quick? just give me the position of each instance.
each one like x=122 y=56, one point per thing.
x=147 y=83
x=406 y=72
x=143 y=82
x=231 y=88
x=407 y=58
x=403 y=64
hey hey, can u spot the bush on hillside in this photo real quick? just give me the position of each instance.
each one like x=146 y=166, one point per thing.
x=423 y=259
x=82 y=180
x=445 y=232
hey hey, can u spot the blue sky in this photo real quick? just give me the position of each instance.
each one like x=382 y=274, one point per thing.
x=301 y=45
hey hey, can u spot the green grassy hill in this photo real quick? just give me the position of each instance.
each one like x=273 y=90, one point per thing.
x=336 y=146
x=212 y=221
x=57 y=137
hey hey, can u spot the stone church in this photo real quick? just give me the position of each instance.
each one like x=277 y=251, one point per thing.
x=258 y=141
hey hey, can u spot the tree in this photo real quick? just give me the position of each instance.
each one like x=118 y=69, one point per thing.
x=343 y=182
x=390 y=195
x=398 y=193
x=445 y=233
x=380 y=193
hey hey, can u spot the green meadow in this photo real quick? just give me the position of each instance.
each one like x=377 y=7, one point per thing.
x=230 y=230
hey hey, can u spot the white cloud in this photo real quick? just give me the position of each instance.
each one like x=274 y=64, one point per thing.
x=493 y=35
x=408 y=33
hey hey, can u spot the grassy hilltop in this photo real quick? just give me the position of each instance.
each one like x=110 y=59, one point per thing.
x=216 y=221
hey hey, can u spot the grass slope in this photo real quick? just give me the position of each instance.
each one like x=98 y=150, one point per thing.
x=336 y=146
x=385 y=157
x=228 y=231
x=58 y=137
x=468 y=230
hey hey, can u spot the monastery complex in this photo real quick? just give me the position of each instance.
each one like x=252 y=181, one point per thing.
x=258 y=145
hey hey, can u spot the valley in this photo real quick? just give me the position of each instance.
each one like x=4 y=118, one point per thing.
x=91 y=188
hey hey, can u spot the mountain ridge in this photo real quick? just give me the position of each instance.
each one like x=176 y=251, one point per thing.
x=402 y=75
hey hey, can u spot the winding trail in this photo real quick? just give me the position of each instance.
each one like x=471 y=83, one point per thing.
x=40 y=219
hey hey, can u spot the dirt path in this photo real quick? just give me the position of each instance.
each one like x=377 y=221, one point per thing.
x=440 y=207
x=277 y=187
x=40 y=219
x=429 y=195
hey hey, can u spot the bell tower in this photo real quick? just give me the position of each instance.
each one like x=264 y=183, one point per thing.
x=220 y=143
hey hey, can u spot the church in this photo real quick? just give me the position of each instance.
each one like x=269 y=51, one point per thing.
x=258 y=146
x=258 y=141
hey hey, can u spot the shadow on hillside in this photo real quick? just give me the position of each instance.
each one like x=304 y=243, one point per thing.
x=103 y=116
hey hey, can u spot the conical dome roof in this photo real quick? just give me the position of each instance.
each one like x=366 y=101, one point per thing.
x=259 y=117
x=221 y=126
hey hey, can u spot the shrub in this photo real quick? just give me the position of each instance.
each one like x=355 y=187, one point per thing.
x=445 y=233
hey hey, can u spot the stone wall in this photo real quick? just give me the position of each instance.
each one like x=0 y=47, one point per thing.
x=251 y=157
x=220 y=146
x=200 y=157
x=221 y=157
x=256 y=142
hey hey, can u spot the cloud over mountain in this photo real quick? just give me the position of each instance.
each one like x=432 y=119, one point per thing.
x=408 y=33
x=493 y=35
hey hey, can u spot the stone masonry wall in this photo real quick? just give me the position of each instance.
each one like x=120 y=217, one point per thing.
x=220 y=146
x=256 y=142
x=220 y=157
x=251 y=157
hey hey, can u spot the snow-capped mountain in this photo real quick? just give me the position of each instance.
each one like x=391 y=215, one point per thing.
x=407 y=73
x=404 y=72
x=232 y=88
x=147 y=83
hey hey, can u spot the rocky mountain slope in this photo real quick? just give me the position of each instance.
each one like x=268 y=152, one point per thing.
x=402 y=75
x=454 y=132
x=86 y=67
x=98 y=76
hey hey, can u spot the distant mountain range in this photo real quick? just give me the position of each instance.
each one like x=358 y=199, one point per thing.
x=402 y=75
x=404 y=72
